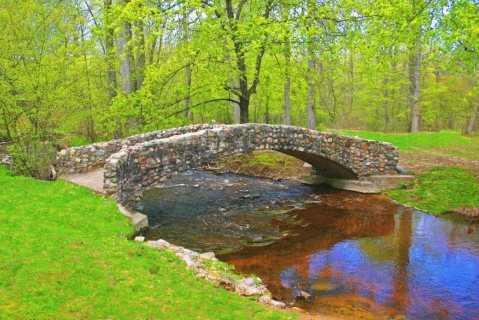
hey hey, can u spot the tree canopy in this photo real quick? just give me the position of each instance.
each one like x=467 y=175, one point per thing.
x=99 y=69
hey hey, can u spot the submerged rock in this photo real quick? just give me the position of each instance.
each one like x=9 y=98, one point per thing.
x=300 y=294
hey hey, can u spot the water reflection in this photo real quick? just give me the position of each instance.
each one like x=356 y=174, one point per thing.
x=361 y=257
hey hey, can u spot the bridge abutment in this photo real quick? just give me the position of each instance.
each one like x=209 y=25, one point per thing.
x=371 y=184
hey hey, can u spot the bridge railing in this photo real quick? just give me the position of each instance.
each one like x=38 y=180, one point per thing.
x=86 y=158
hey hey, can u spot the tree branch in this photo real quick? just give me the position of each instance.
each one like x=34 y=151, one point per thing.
x=199 y=104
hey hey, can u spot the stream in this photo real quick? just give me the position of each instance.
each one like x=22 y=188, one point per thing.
x=359 y=256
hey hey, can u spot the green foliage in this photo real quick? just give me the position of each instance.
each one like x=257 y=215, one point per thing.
x=439 y=190
x=61 y=258
x=64 y=71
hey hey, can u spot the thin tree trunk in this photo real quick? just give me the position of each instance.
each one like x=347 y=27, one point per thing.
x=112 y=84
x=351 y=75
x=311 y=102
x=141 y=58
x=385 y=117
x=236 y=107
x=416 y=83
x=125 y=57
x=287 y=101
x=188 y=112
x=266 y=113
x=287 y=86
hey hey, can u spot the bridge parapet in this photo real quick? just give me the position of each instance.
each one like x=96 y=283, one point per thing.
x=136 y=168
x=86 y=158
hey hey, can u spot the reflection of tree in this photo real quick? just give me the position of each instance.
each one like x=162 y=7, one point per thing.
x=394 y=250
x=404 y=240
x=322 y=228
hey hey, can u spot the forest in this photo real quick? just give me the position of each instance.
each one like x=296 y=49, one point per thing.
x=76 y=72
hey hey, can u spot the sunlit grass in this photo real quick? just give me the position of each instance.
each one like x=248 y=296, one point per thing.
x=448 y=143
x=61 y=257
x=439 y=190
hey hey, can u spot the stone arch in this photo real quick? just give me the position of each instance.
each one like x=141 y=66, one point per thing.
x=135 y=169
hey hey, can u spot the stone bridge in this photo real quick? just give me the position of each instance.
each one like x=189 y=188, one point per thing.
x=135 y=164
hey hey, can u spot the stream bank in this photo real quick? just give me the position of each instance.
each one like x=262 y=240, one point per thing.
x=354 y=255
x=277 y=166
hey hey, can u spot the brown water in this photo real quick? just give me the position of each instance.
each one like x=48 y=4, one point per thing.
x=359 y=256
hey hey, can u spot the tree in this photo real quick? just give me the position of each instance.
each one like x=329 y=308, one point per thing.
x=463 y=40
x=45 y=70
x=245 y=41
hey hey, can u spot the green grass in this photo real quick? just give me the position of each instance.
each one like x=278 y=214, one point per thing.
x=61 y=258
x=446 y=143
x=440 y=190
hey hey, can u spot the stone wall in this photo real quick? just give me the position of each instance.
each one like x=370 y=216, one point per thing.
x=136 y=168
x=86 y=158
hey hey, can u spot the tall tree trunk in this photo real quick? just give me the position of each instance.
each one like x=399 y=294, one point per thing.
x=188 y=112
x=125 y=56
x=416 y=83
x=351 y=78
x=109 y=44
x=385 y=117
x=287 y=86
x=311 y=102
x=236 y=107
x=141 y=57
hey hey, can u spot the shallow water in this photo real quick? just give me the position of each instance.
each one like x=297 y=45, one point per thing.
x=359 y=256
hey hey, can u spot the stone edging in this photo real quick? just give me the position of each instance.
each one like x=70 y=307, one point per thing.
x=196 y=262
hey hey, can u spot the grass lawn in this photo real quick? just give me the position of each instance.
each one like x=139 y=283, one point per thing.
x=61 y=257
x=447 y=143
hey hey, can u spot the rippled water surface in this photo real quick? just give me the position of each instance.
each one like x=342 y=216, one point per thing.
x=359 y=256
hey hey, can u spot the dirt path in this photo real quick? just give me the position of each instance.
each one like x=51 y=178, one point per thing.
x=419 y=163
